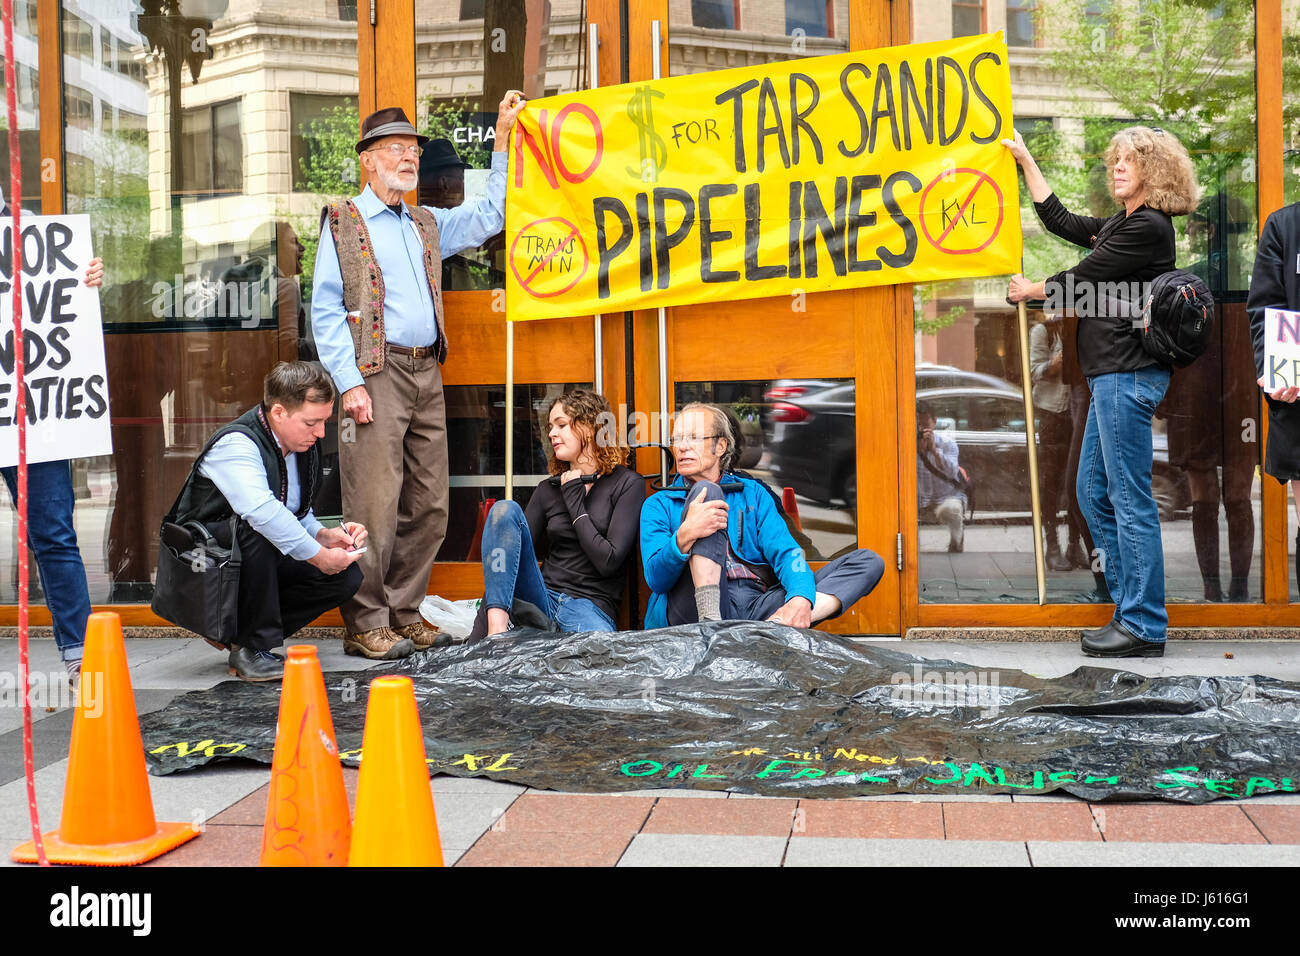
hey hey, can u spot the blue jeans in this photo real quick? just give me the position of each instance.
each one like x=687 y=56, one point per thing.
x=53 y=538
x=510 y=571
x=1114 y=490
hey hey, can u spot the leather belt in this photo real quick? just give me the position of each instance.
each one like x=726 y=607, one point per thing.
x=419 y=351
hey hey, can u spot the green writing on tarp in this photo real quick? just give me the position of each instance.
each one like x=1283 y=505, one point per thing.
x=774 y=768
x=976 y=772
x=864 y=777
x=1227 y=786
x=959 y=774
x=952 y=768
x=1179 y=779
x=1263 y=783
x=641 y=768
x=1003 y=781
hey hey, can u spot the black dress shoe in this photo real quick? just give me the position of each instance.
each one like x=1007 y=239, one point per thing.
x=1096 y=632
x=250 y=664
x=1118 y=641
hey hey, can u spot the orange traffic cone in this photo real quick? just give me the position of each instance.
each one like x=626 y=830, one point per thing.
x=307 y=810
x=107 y=809
x=395 y=821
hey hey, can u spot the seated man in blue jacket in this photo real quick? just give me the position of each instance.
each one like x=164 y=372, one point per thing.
x=715 y=547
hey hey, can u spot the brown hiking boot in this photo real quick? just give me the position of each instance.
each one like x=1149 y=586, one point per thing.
x=380 y=644
x=422 y=637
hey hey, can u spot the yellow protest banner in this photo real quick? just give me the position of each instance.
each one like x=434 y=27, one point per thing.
x=864 y=168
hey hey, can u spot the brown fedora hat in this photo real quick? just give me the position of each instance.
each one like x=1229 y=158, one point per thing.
x=387 y=122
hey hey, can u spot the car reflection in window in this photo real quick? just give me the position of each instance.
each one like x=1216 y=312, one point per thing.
x=808 y=429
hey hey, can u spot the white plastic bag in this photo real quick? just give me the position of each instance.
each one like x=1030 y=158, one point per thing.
x=453 y=618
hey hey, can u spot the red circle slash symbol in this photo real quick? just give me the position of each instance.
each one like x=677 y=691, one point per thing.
x=956 y=208
x=554 y=236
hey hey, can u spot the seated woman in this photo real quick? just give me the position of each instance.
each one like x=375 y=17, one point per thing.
x=582 y=521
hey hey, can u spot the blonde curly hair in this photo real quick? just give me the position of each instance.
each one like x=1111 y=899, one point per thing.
x=1167 y=171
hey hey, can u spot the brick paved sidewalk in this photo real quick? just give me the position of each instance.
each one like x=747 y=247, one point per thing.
x=485 y=823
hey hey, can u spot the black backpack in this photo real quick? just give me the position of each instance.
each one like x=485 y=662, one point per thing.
x=1177 y=318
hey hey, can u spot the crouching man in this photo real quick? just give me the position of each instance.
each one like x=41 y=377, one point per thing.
x=715 y=547
x=265 y=467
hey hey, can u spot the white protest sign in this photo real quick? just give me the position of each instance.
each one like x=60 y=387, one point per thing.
x=65 y=375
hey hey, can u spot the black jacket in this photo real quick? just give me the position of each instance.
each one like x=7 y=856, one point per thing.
x=1127 y=250
x=1275 y=283
x=586 y=538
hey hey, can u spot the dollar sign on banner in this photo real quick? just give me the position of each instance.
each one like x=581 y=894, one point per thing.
x=654 y=152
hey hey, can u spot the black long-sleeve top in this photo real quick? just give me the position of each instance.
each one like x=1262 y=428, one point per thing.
x=585 y=538
x=1275 y=282
x=1126 y=249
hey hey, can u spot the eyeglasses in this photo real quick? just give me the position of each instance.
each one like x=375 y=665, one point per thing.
x=396 y=150
x=693 y=439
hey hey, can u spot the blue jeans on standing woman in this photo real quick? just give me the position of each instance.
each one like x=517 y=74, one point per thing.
x=1114 y=489
x=53 y=538
x=510 y=571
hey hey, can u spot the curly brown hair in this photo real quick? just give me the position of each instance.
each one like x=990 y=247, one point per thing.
x=1167 y=171
x=591 y=417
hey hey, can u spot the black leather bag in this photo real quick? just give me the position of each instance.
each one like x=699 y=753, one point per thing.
x=197 y=586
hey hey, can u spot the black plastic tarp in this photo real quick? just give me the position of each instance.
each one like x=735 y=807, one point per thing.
x=762 y=708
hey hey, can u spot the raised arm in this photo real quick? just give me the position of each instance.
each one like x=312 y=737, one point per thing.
x=475 y=221
x=609 y=552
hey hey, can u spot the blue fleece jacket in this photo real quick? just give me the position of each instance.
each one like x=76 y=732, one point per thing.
x=755 y=528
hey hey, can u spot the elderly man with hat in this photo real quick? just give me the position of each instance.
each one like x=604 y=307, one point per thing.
x=378 y=322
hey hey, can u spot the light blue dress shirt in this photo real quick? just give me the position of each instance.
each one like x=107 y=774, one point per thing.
x=408 y=306
x=234 y=464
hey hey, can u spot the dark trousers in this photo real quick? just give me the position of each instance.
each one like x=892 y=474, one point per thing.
x=849 y=577
x=279 y=595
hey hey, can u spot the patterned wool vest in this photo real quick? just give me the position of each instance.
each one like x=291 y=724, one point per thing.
x=363 y=283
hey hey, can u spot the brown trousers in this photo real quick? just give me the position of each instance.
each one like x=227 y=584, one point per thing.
x=394 y=479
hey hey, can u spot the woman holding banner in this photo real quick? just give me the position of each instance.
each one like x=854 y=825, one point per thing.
x=583 y=520
x=1152 y=177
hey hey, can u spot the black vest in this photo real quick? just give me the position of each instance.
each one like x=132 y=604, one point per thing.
x=200 y=500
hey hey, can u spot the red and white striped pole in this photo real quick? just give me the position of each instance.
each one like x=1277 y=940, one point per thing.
x=20 y=390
